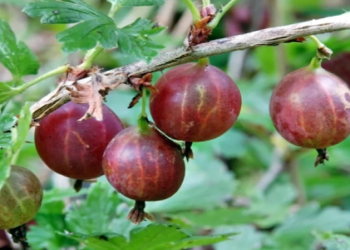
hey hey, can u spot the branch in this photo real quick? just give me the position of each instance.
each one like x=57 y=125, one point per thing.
x=266 y=37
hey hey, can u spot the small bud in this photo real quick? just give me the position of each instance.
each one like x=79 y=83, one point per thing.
x=209 y=10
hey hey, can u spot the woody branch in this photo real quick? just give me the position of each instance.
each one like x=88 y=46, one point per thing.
x=265 y=37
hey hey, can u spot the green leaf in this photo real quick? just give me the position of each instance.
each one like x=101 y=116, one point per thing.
x=152 y=237
x=216 y=217
x=96 y=213
x=200 y=241
x=5 y=164
x=137 y=2
x=219 y=185
x=50 y=219
x=274 y=207
x=232 y=144
x=247 y=239
x=6 y=123
x=57 y=194
x=312 y=217
x=134 y=39
x=331 y=241
x=19 y=134
x=15 y=2
x=14 y=55
x=18 y=137
x=93 y=26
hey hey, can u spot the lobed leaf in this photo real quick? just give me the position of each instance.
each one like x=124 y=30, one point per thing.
x=82 y=220
x=6 y=123
x=248 y=238
x=204 y=168
x=332 y=241
x=134 y=39
x=138 y=2
x=58 y=194
x=14 y=55
x=18 y=137
x=49 y=219
x=152 y=237
x=312 y=217
x=93 y=26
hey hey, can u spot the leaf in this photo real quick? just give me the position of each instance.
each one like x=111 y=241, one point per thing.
x=137 y=2
x=312 y=217
x=50 y=219
x=15 y=2
x=219 y=185
x=6 y=123
x=333 y=241
x=199 y=241
x=274 y=207
x=152 y=237
x=14 y=55
x=96 y=213
x=216 y=217
x=232 y=144
x=93 y=26
x=5 y=164
x=18 y=137
x=19 y=134
x=134 y=39
x=247 y=239
x=58 y=194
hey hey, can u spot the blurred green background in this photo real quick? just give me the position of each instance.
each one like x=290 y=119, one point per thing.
x=245 y=181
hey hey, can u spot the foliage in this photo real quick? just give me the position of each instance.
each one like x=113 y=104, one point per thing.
x=12 y=145
x=94 y=27
x=221 y=202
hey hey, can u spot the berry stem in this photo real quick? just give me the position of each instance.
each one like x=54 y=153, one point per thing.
x=204 y=61
x=315 y=62
x=213 y=23
x=143 y=120
x=206 y=3
x=316 y=41
x=322 y=50
x=144 y=102
x=195 y=13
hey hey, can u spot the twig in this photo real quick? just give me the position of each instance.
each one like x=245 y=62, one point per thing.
x=274 y=170
x=266 y=37
x=293 y=169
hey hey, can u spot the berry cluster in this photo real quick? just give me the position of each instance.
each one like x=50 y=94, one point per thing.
x=193 y=102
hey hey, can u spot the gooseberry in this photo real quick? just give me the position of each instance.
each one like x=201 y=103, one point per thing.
x=311 y=108
x=143 y=166
x=75 y=149
x=195 y=102
x=20 y=198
